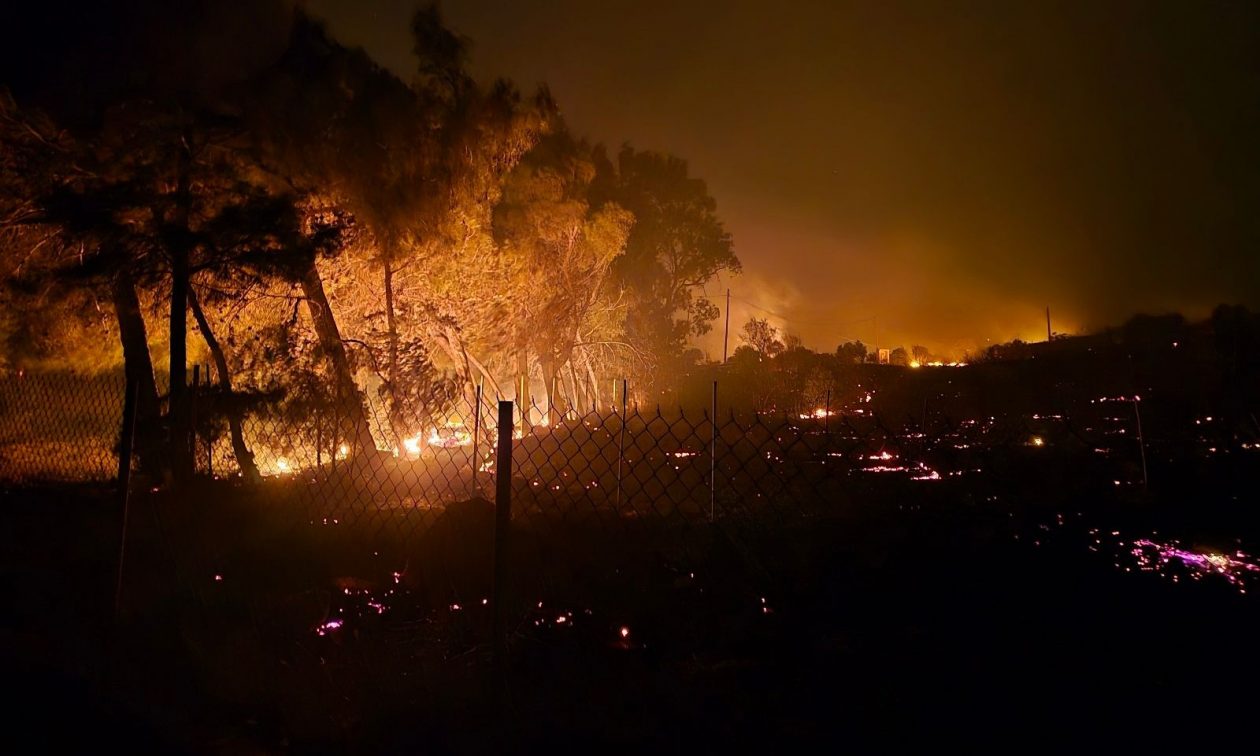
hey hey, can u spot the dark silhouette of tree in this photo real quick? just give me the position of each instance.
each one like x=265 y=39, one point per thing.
x=851 y=351
x=762 y=337
x=676 y=246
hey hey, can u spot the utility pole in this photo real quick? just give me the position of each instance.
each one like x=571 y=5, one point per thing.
x=726 y=332
x=1048 y=335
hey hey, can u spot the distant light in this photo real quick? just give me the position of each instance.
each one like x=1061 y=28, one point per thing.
x=1038 y=441
x=625 y=631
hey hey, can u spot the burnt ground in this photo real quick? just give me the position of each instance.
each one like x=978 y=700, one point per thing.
x=889 y=618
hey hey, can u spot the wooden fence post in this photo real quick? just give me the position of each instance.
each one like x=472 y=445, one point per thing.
x=502 y=527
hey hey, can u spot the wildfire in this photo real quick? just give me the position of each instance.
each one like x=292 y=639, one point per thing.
x=331 y=625
x=1152 y=556
x=451 y=436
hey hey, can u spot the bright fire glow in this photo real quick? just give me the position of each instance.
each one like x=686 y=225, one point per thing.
x=1152 y=556
x=451 y=436
x=328 y=627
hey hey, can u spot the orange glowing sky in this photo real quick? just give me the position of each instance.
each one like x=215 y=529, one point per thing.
x=931 y=173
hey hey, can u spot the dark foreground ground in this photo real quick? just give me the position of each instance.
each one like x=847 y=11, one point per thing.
x=888 y=620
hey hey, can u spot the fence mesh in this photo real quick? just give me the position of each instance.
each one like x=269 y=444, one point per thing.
x=341 y=461
x=59 y=427
x=335 y=563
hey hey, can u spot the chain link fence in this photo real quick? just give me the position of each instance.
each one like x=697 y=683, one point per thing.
x=342 y=583
x=609 y=464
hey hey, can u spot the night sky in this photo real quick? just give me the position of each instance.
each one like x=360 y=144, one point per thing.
x=927 y=173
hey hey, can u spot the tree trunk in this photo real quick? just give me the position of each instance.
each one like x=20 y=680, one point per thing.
x=522 y=388
x=396 y=410
x=244 y=457
x=330 y=341
x=577 y=397
x=138 y=367
x=181 y=428
x=590 y=371
x=548 y=365
x=445 y=341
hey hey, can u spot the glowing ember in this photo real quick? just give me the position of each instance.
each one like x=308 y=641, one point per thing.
x=1152 y=556
x=283 y=466
x=330 y=626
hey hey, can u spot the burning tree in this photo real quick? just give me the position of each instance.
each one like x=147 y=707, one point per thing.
x=328 y=228
x=762 y=337
x=564 y=246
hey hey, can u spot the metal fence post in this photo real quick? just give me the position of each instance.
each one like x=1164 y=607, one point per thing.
x=476 y=437
x=621 y=442
x=713 y=456
x=502 y=526
x=1141 y=441
x=125 y=447
x=193 y=390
